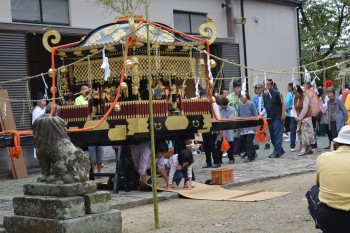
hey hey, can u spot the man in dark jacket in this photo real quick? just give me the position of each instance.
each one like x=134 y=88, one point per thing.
x=273 y=105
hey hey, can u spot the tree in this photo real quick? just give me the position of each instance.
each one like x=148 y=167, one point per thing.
x=324 y=30
x=123 y=7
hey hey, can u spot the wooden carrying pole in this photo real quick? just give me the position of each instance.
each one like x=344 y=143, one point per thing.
x=17 y=165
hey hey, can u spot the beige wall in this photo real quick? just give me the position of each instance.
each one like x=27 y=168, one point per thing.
x=272 y=43
x=86 y=14
x=5 y=11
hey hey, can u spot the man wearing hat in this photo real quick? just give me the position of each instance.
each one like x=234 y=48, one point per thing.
x=329 y=199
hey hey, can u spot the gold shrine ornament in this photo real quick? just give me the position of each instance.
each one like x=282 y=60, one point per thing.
x=128 y=63
x=212 y=63
x=211 y=83
x=117 y=107
x=203 y=30
x=50 y=72
x=55 y=40
x=124 y=86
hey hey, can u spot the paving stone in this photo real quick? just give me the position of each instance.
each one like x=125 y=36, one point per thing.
x=109 y=222
x=24 y=224
x=49 y=207
x=64 y=190
x=98 y=202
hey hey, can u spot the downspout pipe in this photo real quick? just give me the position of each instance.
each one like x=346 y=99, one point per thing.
x=244 y=43
x=299 y=36
x=229 y=19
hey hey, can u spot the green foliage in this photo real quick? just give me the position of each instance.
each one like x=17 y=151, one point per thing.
x=123 y=6
x=324 y=30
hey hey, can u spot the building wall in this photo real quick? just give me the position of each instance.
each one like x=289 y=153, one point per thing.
x=272 y=42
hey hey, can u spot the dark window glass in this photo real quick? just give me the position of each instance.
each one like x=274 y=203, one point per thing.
x=188 y=22
x=26 y=11
x=55 y=11
x=40 y=11
x=196 y=21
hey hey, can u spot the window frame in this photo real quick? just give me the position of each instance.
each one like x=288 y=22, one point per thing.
x=189 y=13
x=41 y=17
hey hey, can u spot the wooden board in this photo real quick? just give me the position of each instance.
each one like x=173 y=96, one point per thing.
x=18 y=166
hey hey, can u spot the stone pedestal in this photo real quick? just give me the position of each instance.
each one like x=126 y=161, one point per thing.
x=61 y=190
x=68 y=208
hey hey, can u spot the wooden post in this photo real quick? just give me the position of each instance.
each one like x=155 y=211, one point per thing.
x=18 y=166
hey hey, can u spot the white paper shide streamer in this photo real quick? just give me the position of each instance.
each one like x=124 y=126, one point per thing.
x=244 y=88
x=307 y=75
x=4 y=111
x=105 y=65
x=313 y=83
x=293 y=79
x=46 y=87
x=265 y=81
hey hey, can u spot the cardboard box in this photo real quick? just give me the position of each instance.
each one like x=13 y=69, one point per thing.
x=222 y=176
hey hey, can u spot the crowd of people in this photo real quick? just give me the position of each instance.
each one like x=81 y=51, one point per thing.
x=298 y=117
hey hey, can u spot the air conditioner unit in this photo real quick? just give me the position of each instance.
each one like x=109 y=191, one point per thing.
x=240 y=20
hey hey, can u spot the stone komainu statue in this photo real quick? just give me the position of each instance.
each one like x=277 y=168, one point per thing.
x=60 y=161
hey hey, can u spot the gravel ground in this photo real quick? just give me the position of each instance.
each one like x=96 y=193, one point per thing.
x=284 y=214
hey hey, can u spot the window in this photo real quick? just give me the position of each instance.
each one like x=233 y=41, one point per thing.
x=40 y=11
x=189 y=22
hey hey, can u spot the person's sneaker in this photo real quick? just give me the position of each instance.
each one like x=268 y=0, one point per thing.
x=206 y=166
x=216 y=166
x=267 y=146
x=243 y=155
x=292 y=149
x=273 y=155
x=256 y=147
x=285 y=135
x=224 y=154
x=287 y=140
x=231 y=161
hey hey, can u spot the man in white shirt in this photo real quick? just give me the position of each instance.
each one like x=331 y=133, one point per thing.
x=39 y=109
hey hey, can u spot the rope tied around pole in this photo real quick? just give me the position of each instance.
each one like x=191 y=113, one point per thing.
x=16 y=150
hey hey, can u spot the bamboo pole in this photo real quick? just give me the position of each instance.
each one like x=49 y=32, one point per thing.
x=151 y=125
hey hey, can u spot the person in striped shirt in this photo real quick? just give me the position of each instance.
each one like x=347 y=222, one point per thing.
x=180 y=166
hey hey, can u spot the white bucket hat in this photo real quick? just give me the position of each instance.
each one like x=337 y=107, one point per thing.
x=343 y=135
